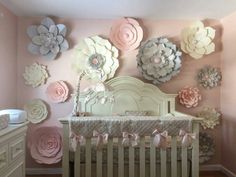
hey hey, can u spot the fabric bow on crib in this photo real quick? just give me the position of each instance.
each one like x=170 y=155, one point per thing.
x=75 y=139
x=130 y=139
x=160 y=139
x=102 y=138
x=186 y=138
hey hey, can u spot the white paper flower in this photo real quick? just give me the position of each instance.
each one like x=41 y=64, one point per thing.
x=209 y=77
x=196 y=40
x=206 y=147
x=211 y=117
x=159 y=60
x=36 y=111
x=97 y=58
x=48 y=39
x=35 y=75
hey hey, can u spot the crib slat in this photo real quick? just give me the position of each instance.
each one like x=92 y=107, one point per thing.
x=152 y=159
x=131 y=161
x=195 y=151
x=163 y=163
x=120 y=158
x=142 y=157
x=173 y=156
x=99 y=163
x=65 y=158
x=77 y=162
x=88 y=158
x=184 y=161
x=110 y=158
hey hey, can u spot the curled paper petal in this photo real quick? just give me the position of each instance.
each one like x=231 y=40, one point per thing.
x=130 y=139
x=160 y=139
x=102 y=138
x=186 y=138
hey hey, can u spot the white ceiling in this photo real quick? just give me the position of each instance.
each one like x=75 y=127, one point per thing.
x=108 y=9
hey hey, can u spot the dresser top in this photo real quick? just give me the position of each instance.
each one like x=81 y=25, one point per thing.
x=12 y=127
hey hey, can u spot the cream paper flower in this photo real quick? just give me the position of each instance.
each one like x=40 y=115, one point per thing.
x=206 y=147
x=197 y=40
x=97 y=58
x=35 y=75
x=211 y=117
x=36 y=111
x=126 y=34
x=159 y=60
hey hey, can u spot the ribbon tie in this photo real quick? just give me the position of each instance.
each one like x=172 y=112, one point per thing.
x=130 y=139
x=186 y=138
x=75 y=139
x=102 y=138
x=160 y=139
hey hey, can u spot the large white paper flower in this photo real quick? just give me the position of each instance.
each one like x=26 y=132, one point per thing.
x=46 y=145
x=159 y=60
x=196 y=40
x=35 y=75
x=48 y=39
x=36 y=111
x=97 y=58
x=211 y=117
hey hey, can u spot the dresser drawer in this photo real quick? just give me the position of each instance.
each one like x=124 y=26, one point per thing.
x=3 y=157
x=16 y=148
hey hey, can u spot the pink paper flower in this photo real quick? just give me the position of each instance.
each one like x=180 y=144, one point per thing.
x=46 y=145
x=189 y=97
x=126 y=34
x=57 y=92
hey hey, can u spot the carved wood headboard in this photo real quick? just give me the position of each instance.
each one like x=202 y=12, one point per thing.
x=128 y=94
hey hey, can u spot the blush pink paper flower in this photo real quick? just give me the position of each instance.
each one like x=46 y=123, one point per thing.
x=57 y=92
x=189 y=97
x=126 y=34
x=46 y=145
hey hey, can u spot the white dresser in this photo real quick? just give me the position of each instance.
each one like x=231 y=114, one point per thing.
x=12 y=151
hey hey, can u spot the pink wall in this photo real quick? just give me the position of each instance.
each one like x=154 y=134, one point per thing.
x=60 y=69
x=228 y=98
x=8 y=59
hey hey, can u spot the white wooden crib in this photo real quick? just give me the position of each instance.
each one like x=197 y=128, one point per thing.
x=115 y=160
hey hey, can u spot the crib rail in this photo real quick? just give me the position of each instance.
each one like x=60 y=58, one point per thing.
x=133 y=168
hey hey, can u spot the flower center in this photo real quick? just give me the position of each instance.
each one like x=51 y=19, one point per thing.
x=96 y=61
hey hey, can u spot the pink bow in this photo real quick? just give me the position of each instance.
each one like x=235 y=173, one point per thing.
x=102 y=138
x=75 y=139
x=160 y=139
x=186 y=138
x=130 y=139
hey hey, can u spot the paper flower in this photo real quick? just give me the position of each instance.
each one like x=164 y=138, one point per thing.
x=48 y=39
x=36 y=111
x=209 y=77
x=211 y=117
x=97 y=58
x=46 y=145
x=57 y=91
x=196 y=40
x=159 y=60
x=35 y=75
x=206 y=147
x=126 y=34
x=189 y=97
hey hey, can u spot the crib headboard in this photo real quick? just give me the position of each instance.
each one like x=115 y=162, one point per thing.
x=128 y=94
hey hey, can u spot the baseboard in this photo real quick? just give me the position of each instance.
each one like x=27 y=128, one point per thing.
x=43 y=171
x=49 y=171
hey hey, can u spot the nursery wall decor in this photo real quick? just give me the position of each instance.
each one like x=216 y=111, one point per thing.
x=46 y=146
x=206 y=147
x=159 y=60
x=189 y=96
x=197 y=40
x=36 y=111
x=209 y=77
x=97 y=58
x=126 y=34
x=57 y=92
x=211 y=117
x=35 y=75
x=48 y=39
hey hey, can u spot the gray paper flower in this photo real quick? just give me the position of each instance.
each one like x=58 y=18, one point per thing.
x=206 y=147
x=209 y=77
x=48 y=39
x=159 y=60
